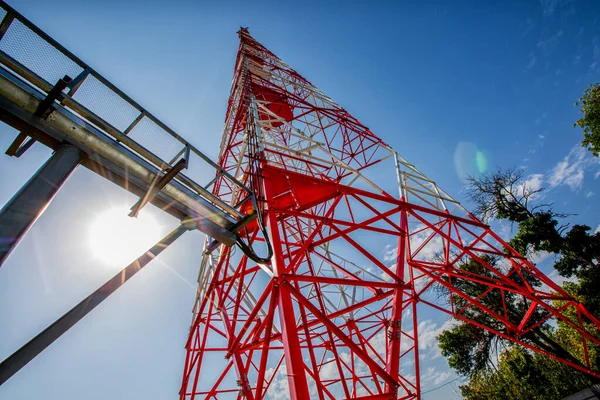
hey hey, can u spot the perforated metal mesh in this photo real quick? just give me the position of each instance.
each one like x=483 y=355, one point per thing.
x=33 y=50
x=36 y=54
x=156 y=139
x=104 y=102
x=198 y=170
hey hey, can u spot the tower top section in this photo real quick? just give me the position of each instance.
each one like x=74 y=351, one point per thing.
x=277 y=115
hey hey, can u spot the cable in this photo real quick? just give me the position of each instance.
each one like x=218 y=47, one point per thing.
x=441 y=386
x=253 y=152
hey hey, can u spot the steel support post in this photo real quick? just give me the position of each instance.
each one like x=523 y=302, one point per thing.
x=24 y=208
x=294 y=360
x=395 y=323
x=35 y=346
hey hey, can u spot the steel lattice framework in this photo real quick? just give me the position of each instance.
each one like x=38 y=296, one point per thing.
x=329 y=317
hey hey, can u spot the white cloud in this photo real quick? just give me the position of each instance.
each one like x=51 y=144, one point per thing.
x=429 y=374
x=441 y=377
x=539 y=257
x=570 y=170
x=432 y=374
x=279 y=389
x=503 y=229
x=532 y=182
x=576 y=180
x=390 y=253
x=589 y=194
x=597 y=229
x=558 y=279
x=541 y=136
x=330 y=370
x=428 y=333
x=431 y=249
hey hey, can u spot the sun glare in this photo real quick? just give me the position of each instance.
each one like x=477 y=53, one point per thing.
x=118 y=239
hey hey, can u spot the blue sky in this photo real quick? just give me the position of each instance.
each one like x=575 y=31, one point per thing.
x=439 y=82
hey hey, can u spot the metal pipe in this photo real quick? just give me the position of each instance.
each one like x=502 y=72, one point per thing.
x=19 y=214
x=35 y=346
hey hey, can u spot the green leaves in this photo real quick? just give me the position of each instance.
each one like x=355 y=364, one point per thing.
x=580 y=258
x=590 y=121
x=467 y=348
x=538 y=233
x=521 y=374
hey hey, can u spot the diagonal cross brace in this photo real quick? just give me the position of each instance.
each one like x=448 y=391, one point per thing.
x=158 y=183
x=13 y=364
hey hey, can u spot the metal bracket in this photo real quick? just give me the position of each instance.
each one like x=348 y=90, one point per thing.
x=19 y=146
x=8 y=19
x=235 y=228
x=78 y=80
x=158 y=183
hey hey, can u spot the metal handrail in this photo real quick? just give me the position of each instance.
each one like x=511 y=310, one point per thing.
x=33 y=79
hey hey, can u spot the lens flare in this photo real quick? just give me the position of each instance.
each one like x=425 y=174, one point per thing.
x=481 y=162
x=469 y=160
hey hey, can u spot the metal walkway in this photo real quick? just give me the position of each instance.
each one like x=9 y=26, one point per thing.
x=53 y=97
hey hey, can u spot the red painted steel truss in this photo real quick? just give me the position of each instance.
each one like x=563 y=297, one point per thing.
x=334 y=314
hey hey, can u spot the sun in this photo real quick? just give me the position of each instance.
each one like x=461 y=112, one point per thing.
x=117 y=239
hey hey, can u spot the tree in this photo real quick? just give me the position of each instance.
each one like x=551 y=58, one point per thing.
x=580 y=258
x=521 y=374
x=501 y=194
x=497 y=368
x=590 y=121
x=505 y=195
x=471 y=350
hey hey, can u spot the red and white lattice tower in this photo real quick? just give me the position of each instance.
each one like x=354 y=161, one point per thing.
x=331 y=316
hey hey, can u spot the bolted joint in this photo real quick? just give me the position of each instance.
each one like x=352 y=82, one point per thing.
x=244 y=385
x=394 y=323
x=393 y=335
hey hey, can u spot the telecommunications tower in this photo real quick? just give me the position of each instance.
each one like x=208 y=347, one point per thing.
x=324 y=315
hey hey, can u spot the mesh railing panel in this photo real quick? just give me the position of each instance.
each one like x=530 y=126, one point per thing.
x=156 y=139
x=39 y=54
x=198 y=170
x=36 y=54
x=105 y=103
